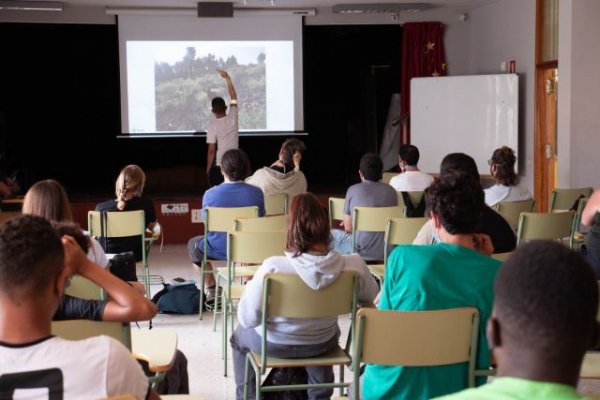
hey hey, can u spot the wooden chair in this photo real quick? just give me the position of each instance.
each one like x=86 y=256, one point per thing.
x=387 y=177
x=373 y=219
x=219 y=219
x=243 y=248
x=546 y=226
x=119 y=224
x=397 y=231
x=261 y=224
x=421 y=338
x=336 y=209
x=157 y=346
x=511 y=210
x=286 y=295
x=276 y=204
x=563 y=199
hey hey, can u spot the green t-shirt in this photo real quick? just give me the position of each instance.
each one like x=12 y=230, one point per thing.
x=517 y=389
x=433 y=277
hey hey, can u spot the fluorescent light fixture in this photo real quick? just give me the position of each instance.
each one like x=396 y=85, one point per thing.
x=373 y=8
x=193 y=11
x=22 y=5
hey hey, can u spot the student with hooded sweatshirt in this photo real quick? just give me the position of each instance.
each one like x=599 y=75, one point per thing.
x=284 y=175
x=308 y=255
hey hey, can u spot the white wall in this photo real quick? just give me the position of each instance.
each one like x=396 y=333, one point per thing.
x=578 y=94
x=502 y=31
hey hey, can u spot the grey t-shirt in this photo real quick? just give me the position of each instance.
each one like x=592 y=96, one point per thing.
x=369 y=194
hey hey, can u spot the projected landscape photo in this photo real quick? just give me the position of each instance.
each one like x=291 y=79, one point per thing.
x=184 y=87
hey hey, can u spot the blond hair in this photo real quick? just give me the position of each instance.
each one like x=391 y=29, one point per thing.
x=131 y=181
x=48 y=199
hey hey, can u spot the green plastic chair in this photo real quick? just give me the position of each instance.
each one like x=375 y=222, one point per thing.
x=276 y=204
x=563 y=199
x=511 y=210
x=556 y=226
x=286 y=295
x=428 y=338
x=336 y=209
x=373 y=219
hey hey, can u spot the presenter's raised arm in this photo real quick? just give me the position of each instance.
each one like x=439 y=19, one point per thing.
x=230 y=87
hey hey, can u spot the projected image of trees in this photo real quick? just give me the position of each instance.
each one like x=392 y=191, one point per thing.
x=185 y=88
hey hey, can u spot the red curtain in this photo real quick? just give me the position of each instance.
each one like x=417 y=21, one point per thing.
x=422 y=55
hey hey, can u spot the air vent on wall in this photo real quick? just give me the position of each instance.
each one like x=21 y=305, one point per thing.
x=393 y=8
x=23 y=5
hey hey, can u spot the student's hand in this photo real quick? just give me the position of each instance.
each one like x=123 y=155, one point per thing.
x=75 y=259
x=223 y=73
x=483 y=244
x=376 y=300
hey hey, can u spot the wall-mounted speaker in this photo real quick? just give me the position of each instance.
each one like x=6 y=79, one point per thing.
x=215 y=10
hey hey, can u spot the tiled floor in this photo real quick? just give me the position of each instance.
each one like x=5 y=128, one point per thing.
x=202 y=346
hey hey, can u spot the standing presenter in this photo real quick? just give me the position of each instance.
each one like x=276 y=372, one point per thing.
x=222 y=132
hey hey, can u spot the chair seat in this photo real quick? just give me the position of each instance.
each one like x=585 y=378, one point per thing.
x=156 y=346
x=334 y=357
x=239 y=272
x=377 y=269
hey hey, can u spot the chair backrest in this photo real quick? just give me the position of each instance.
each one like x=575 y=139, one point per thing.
x=373 y=219
x=336 y=209
x=502 y=256
x=387 y=177
x=220 y=219
x=511 y=210
x=545 y=226
x=428 y=337
x=84 y=289
x=580 y=208
x=261 y=224
x=118 y=223
x=415 y=197
x=255 y=247
x=82 y=329
x=276 y=204
x=563 y=199
x=401 y=231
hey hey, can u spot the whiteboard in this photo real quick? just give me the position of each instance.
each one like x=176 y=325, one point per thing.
x=473 y=114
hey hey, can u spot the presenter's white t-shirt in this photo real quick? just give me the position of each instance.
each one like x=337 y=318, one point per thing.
x=224 y=132
x=53 y=367
x=411 y=181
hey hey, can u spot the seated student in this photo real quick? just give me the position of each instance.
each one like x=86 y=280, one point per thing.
x=449 y=274
x=32 y=280
x=543 y=321
x=128 y=189
x=309 y=256
x=234 y=192
x=508 y=186
x=411 y=179
x=124 y=304
x=284 y=175
x=490 y=222
x=369 y=193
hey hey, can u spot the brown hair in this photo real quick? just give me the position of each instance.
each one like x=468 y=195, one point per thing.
x=73 y=230
x=131 y=180
x=291 y=154
x=48 y=199
x=504 y=159
x=308 y=224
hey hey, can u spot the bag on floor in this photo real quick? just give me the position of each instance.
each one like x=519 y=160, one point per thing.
x=178 y=299
x=286 y=376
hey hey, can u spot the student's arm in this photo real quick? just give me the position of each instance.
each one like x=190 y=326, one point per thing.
x=125 y=304
x=230 y=87
x=591 y=208
x=210 y=156
x=348 y=223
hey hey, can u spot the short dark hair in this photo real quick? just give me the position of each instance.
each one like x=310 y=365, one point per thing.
x=31 y=256
x=308 y=224
x=504 y=159
x=409 y=154
x=371 y=167
x=235 y=164
x=218 y=105
x=458 y=201
x=546 y=298
x=73 y=230
x=459 y=163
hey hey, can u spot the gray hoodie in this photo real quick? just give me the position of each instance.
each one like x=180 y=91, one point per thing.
x=273 y=182
x=318 y=272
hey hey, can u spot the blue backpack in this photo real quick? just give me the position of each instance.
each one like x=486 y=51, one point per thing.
x=178 y=299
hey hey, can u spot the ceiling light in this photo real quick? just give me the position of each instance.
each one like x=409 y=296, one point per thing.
x=379 y=8
x=31 y=5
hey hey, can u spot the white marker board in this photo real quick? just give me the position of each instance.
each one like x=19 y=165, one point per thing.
x=472 y=114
